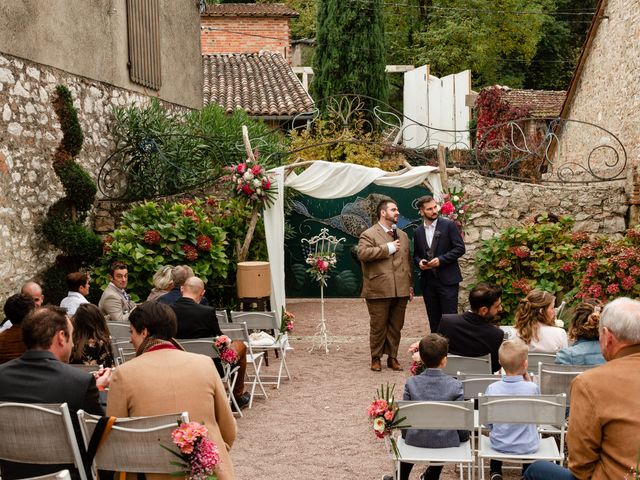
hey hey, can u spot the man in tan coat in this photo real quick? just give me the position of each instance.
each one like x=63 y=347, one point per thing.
x=162 y=379
x=384 y=253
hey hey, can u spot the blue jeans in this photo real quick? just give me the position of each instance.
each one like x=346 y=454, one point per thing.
x=542 y=470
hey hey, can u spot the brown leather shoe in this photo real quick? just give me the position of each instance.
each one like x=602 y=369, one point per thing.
x=393 y=364
x=375 y=364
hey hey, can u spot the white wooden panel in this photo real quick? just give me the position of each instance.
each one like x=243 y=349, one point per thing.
x=462 y=87
x=415 y=107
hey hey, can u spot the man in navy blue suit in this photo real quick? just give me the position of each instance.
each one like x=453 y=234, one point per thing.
x=437 y=245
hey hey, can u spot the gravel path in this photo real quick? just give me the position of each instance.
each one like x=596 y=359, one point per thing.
x=315 y=426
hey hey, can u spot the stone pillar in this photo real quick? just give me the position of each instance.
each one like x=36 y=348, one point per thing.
x=634 y=201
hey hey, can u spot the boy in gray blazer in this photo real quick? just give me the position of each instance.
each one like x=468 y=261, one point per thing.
x=432 y=385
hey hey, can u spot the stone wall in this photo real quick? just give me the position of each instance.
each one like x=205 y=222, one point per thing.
x=29 y=134
x=499 y=204
x=607 y=92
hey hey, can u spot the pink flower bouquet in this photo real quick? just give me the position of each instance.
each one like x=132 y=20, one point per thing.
x=198 y=455
x=320 y=265
x=417 y=367
x=222 y=346
x=383 y=412
x=287 y=321
x=250 y=180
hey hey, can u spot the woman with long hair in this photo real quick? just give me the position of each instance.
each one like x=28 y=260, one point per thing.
x=535 y=323
x=91 y=344
x=584 y=333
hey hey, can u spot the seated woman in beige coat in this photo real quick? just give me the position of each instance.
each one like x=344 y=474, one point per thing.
x=163 y=379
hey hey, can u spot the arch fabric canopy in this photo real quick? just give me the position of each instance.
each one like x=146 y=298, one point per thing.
x=328 y=180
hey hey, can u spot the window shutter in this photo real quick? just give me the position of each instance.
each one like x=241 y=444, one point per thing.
x=143 y=29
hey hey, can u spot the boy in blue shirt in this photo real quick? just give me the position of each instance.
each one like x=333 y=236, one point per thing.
x=513 y=438
x=431 y=385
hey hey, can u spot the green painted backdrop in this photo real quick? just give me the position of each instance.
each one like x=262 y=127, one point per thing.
x=343 y=217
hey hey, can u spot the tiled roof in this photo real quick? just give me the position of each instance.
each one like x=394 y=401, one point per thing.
x=541 y=103
x=249 y=10
x=262 y=84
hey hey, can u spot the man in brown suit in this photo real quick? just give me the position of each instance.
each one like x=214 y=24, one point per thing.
x=384 y=253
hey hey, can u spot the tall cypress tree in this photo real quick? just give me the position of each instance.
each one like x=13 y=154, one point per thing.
x=350 y=53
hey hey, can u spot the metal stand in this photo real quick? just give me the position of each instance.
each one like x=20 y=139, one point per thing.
x=322 y=244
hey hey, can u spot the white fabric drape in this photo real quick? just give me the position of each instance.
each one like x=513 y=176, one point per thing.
x=328 y=180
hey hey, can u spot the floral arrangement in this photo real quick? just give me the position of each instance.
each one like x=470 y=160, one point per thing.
x=286 y=325
x=417 y=367
x=383 y=411
x=456 y=206
x=320 y=265
x=222 y=346
x=250 y=180
x=198 y=455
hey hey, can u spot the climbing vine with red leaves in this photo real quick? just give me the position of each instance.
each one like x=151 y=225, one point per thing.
x=493 y=109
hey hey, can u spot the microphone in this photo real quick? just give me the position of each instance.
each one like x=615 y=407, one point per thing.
x=394 y=229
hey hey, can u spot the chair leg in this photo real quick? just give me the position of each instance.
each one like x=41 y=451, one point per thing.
x=257 y=381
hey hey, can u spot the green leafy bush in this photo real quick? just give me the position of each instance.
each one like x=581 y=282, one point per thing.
x=549 y=256
x=166 y=153
x=155 y=234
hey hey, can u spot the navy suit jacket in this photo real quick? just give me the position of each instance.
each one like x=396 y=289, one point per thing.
x=447 y=246
x=433 y=385
x=39 y=377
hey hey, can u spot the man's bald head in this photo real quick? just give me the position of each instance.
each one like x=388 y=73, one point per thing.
x=34 y=291
x=193 y=288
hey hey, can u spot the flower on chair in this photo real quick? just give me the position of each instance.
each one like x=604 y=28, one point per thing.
x=199 y=456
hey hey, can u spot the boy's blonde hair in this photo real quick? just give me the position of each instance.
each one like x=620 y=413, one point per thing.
x=512 y=354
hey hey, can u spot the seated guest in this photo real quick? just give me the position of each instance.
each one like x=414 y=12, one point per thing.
x=162 y=283
x=16 y=308
x=91 y=345
x=115 y=302
x=474 y=333
x=431 y=385
x=516 y=439
x=584 y=334
x=41 y=375
x=604 y=423
x=34 y=291
x=163 y=379
x=78 y=290
x=535 y=323
x=179 y=275
x=199 y=321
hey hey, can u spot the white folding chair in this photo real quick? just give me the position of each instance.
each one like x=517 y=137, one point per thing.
x=39 y=434
x=204 y=346
x=458 y=363
x=238 y=331
x=554 y=378
x=267 y=321
x=222 y=317
x=474 y=384
x=437 y=416
x=535 y=358
x=520 y=409
x=126 y=354
x=133 y=444
x=119 y=331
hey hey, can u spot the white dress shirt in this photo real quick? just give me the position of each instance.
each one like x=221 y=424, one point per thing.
x=430 y=231
x=72 y=301
x=390 y=245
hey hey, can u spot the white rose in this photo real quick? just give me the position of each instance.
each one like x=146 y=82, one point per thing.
x=461 y=211
x=455 y=198
x=248 y=175
x=379 y=424
x=259 y=191
x=416 y=357
x=256 y=182
x=239 y=181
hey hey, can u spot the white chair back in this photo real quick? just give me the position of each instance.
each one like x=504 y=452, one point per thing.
x=554 y=378
x=437 y=415
x=257 y=320
x=119 y=331
x=457 y=363
x=222 y=317
x=475 y=384
x=535 y=358
x=203 y=346
x=40 y=434
x=538 y=409
x=133 y=444
x=61 y=475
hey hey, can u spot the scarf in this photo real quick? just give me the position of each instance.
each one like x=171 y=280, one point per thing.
x=151 y=343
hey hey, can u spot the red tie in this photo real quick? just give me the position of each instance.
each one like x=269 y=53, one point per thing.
x=390 y=233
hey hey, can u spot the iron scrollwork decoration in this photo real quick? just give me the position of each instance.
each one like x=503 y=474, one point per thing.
x=550 y=150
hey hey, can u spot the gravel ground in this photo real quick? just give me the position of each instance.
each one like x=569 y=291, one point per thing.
x=315 y=426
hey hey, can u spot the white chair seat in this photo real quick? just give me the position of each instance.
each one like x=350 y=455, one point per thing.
x=548 y=450
x=459 y=454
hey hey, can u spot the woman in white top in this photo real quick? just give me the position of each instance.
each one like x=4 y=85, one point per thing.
x=535 y=323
